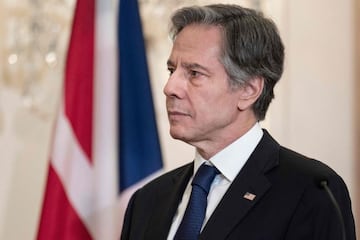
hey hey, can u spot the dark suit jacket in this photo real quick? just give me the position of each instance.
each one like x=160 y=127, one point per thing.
x=289 y=204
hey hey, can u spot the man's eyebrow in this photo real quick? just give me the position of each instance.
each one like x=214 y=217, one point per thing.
x=195 y=66
x=189 y=66
x=170 y=63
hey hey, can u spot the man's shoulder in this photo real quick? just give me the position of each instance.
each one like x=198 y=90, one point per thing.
x=305 y=167
x=294 y=163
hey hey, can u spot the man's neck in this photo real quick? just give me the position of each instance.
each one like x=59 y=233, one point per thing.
x=208 y=149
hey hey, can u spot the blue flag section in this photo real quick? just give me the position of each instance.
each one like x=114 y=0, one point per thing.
x=139 y=152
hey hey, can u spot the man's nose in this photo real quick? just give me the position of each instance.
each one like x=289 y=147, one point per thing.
x=174 y=87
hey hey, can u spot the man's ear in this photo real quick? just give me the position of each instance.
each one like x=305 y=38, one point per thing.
x=250 y=92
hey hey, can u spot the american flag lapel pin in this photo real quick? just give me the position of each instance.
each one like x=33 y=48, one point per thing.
x=249 y=196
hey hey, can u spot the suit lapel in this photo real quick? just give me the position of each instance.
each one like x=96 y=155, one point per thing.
x=166 y=203
x=245 y=191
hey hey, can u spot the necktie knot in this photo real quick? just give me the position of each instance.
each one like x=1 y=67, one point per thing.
x=204 y=177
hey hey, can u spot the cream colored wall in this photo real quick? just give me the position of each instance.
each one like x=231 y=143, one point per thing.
x=318 y=91
x=357 y=106
x=313 y=113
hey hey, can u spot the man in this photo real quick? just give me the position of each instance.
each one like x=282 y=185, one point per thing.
x=223 y=67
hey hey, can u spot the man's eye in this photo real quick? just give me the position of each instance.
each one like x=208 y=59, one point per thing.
x=194 y=73
x=171 y=71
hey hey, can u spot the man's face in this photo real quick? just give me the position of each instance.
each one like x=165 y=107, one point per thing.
x=201 y=106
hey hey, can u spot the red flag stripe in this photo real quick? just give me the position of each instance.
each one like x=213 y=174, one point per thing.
x=59 y=221
x=79 y=75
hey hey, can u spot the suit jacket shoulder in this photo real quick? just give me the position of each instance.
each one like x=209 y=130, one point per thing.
x=151 y=209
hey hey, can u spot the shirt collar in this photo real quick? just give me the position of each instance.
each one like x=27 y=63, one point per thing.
x=232 y=158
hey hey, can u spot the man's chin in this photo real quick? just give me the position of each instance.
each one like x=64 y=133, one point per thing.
x=178 y=135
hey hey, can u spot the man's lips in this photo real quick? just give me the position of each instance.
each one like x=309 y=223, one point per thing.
x=176 y=114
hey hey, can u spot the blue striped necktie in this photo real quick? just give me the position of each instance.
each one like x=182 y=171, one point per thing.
x=193 y=219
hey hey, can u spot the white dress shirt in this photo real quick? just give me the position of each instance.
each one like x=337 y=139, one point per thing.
x=229 y=162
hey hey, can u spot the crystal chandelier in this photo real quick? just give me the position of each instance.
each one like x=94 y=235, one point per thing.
x=33 y=41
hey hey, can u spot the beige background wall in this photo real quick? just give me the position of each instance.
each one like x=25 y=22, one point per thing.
x=316 y=110
x=357 y=105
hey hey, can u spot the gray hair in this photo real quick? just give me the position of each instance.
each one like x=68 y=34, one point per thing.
x=252 y=46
